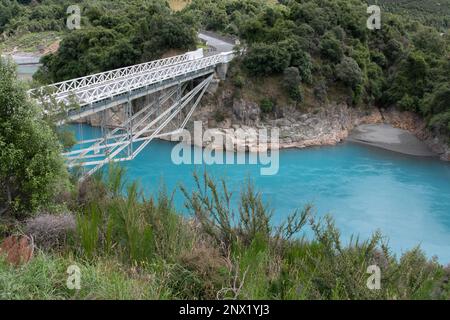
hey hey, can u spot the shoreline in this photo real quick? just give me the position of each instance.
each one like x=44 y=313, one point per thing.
x=382 y=136
x=385 y=129
x=387 y=137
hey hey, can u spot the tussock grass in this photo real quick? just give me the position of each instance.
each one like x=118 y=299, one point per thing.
x=45 y=278
x=132 y=247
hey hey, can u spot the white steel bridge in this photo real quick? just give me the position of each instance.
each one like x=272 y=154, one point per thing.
x=172 y=87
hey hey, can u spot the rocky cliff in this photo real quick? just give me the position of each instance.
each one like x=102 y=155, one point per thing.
x=325 y=125
x=328 y=124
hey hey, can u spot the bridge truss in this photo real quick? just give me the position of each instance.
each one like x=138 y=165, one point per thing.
x=167 y=84
x=166 y=114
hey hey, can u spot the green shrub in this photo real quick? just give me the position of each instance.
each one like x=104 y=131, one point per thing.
x=31 y=168
x=266 y=105
x=238 y=81
x=331 y=48
x=136 y=228
x=219 y=116
x=210 y=205
x=292 y=80
x=320 y=90
x=89 y=231
x=349 y=72
x=266 y=59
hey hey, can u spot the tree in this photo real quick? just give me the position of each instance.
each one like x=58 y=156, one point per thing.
x=117 y=34
x=265 y=59
x=292 y=80
x=349 y=72
x=331 y=48
x=438 y=105
x=31 y=167
x=429 y=40
x=299 y=58
x=8 y=9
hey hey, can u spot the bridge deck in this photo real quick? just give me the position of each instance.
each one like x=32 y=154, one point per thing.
x=110 y=86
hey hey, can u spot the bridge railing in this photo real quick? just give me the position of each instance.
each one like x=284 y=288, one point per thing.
x=79 y=83
x=91 y=94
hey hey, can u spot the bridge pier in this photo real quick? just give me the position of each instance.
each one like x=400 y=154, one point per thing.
x=221 y=71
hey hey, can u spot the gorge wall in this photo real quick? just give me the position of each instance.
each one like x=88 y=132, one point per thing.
x=327 y=124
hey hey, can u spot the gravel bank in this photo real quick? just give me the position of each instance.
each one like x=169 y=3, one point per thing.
x=387 y=137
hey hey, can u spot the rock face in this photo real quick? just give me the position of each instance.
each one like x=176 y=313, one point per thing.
x=413 y=123
x=329 y=124
x=325 y=126
x=112 y=117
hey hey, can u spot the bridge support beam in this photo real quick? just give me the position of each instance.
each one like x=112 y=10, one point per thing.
x=139 y=129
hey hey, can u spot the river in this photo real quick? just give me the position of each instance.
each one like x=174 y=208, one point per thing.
x=27 y=64
x=363 y=188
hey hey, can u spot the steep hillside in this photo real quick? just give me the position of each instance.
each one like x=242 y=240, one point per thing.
x=430 y=12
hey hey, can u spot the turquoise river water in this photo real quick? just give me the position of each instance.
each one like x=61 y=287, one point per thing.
x=363 y=188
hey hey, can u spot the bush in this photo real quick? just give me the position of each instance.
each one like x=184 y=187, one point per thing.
x=299 y=58
x=266 y=59
x=31 y=166
x=266 y=105
x=210 y=205
x=320 y=90
x=51 y=231
x=137 y=229
x=238 y=81
x=219 y=116
x=292 y=79
x=45 y=277
x=331 y=48
x=349 y=72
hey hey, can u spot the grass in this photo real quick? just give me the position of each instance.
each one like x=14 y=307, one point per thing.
x=132 y=247
x=30 y=42
x=45 y=278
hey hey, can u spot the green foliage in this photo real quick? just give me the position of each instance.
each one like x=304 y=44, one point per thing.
x=8 y=10
x=266 y=105
x=66 y=137
x=128 y=227
x=31 y=168
x=45 y=278
x=292 y=80
x=331 y=48
x=401 y=64
x=113 y=35
x=299 y=59
x=266 y=59
x=210 y=204
x=135 y=228
x=430 y=42
x=432 y=13
x=88 y=230
x=437 y=103
x=349 y=72
x=228 y=250
x=238 y=81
